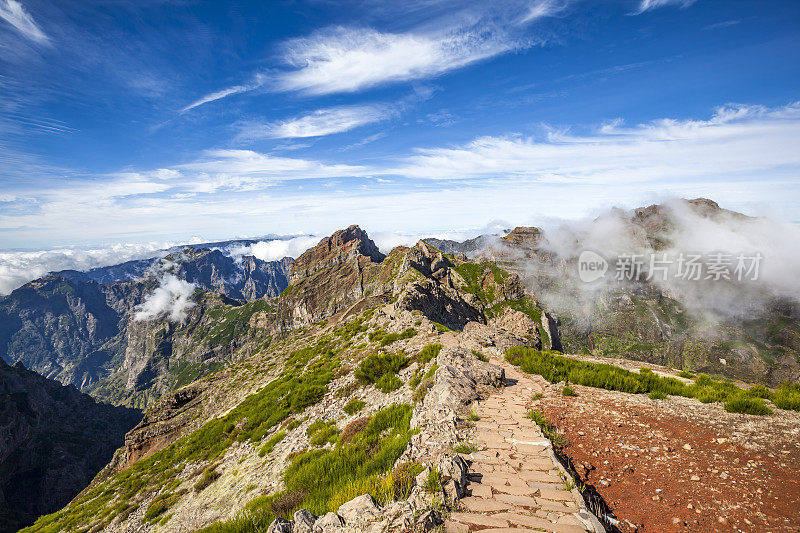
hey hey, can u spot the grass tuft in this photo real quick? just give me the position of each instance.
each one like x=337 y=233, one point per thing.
x=354 y=406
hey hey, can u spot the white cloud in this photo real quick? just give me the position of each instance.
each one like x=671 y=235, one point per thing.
x=170 y=300
x=249 y=170
x=18 y=268
x=276 y=249
x=323 y=122
x=647 y=5
x=14 y=13
x=737 y=141
x=353 y=59
x=258 y=81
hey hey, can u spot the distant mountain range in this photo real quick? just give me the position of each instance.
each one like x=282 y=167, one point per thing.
x=80 y=328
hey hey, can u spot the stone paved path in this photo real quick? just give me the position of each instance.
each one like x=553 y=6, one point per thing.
x=515 y=480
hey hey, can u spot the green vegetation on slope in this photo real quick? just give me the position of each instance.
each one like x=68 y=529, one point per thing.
x=302 y=383
x=555 y=368
x=321 y=480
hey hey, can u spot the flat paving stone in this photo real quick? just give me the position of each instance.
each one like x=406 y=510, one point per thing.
x=515 y=484
x=484 y=505
x=479 y=519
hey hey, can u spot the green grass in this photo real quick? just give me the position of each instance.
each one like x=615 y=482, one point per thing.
x=209 y=476
x=787 y=397
x=657 y=395
x=433 y=483
x=556 y=368
x=353 y=406
x=321 y=480
x=568 y=391
x=380 y=369
x=480 y=356
x=302 y=383
x=322 y=432
x=464 y=447
x=549 y=430
x=427 y=353
x=473 y=416
x=394 y=337
x=272 y=442
x=747 y=405
x=685 y=374
x=441 y=328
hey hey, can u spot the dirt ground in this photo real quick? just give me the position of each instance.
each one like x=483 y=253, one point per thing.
x=680 y=465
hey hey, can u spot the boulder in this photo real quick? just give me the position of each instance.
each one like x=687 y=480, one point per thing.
x=359 y=509
x=304 y=521
x=454 y=477
x=279 y=525
x=328 y=523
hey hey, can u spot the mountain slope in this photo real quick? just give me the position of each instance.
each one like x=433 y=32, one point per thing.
x=363 y=375
x=739 y=331
x=53 y=441
x=69 y=327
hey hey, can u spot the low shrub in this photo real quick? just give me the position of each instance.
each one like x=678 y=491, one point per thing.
x=377 y=366
x=427 y=353
x=284 y=504
x=394 y=337
x=464 y=447
x=685 y=374
x=422 y=390
x=557 y=368
x=271 y=443
x=657 y=395
x=354 y=406
x=480 y=356
x=353 y=428
x=473 y=416
x=322 y=432
x=747 y=405
x=568 y=391
x=209 y=476
x=787 y=397
x=433 y=483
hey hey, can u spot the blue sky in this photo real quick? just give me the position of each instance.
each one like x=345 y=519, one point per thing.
x=131 y=121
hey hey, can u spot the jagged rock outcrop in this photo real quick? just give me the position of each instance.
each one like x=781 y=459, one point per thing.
x=527 y=236
x=53 y=441
x=331 y=276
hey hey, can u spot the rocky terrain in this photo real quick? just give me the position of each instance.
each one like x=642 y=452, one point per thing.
x=734 y=331
x=676 y=464
x=70 y=327
x=371 y=353
x=423 y=389
x=53 y=441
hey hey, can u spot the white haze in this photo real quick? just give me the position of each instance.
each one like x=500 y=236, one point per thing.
x=610 y=235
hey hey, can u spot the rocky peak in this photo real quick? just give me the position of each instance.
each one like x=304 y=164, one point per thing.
x=528 y=236
x=343 y=245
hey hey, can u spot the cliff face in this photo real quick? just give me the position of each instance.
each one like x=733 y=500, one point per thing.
x=69 y=327
x=644 y=321
x=53 y=441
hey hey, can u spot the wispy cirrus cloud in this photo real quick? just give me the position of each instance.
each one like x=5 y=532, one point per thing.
x=322 y=122
x=351 y=59
x=647 y=5
x=15 y=14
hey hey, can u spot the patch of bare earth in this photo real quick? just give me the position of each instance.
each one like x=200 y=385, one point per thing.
x=680 y=465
